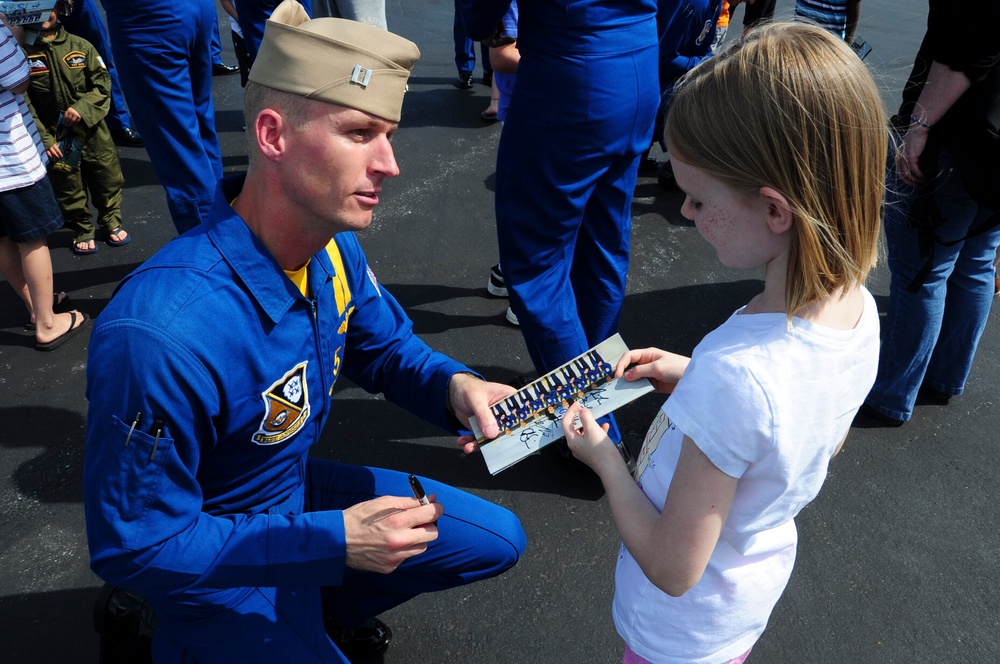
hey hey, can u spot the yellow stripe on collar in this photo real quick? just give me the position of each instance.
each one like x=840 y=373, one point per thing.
x=340 y=287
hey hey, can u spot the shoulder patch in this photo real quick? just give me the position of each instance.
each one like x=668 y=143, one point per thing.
x=371 y=278
x=75 y=59
x=286 y=407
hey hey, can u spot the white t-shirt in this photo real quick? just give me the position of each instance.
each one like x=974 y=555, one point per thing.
x=767 y=405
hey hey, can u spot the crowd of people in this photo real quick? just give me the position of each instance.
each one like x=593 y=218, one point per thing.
x=221 y=539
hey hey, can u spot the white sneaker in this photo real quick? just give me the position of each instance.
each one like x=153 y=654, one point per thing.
x=496 y=285
x=511 y=318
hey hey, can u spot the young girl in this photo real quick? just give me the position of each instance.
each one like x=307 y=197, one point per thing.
x=765 y=401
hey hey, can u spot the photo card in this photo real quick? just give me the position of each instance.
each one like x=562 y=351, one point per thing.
x=531 y=418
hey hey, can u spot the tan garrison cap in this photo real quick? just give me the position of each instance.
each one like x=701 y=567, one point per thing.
x=335 y=60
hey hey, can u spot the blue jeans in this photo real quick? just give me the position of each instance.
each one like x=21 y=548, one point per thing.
x=929 y=337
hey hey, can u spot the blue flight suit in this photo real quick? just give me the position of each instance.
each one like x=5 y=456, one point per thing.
x=211 y=506
x=253 y=17
x=162 y=48
x=580 y=116
x=86 y=22
x=687 y=31
x=465 y=48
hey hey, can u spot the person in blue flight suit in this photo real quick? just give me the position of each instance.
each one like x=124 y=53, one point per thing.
x=253 y=16
x=83 y=20
x=162 y=49
x=580 y=116
x=199 y=489
x=687 y=31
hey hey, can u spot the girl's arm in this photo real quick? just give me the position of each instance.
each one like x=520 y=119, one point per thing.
x=673 y=547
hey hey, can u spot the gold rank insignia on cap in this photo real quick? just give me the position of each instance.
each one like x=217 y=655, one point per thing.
x=334 y=60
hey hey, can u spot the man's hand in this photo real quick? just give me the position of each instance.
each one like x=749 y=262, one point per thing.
x=663 y=369
x=384 y=532
x=468 y=396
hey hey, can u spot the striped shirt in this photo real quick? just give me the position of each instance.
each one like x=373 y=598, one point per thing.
x=22 y=156
x=828 y=14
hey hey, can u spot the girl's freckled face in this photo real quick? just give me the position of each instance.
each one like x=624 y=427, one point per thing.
x=732 y=221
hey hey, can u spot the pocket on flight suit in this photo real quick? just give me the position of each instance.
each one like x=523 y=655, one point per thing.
x=132 y=476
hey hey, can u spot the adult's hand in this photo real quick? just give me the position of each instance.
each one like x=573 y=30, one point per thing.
x=470 y=396
x=663 y=369
x=908 y=155
x=382 y=533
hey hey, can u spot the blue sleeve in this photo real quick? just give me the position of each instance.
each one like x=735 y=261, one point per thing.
x=383 y=354
x=686 y=40
x=143 y=503
x=480 y=17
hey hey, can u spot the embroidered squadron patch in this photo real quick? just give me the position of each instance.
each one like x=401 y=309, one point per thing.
x=705 y=29
x=38 y=65
x=75 y=59
x=286 y=407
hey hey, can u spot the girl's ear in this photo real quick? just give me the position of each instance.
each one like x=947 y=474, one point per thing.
x=779 y=214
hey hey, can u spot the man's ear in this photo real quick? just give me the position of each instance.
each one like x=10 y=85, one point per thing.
x=779 y=214
x=269 y=128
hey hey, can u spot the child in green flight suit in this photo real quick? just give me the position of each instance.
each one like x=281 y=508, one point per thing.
x=69 y=96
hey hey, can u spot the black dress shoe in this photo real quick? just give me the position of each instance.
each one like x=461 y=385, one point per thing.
x=488 y=78
x=362 y=643
x=128 y=138
x=222 y=69
x=464 y=80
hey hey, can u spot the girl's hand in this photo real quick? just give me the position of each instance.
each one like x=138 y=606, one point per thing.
x=589 y=443
x=663 y=369
x=54 y=152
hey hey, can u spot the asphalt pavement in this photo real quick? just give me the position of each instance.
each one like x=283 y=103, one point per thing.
x=897 y=556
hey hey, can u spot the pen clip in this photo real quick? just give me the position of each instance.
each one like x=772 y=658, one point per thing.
x=131 y=430
x=157 y=430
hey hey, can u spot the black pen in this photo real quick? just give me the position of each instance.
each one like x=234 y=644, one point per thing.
x=418 y=490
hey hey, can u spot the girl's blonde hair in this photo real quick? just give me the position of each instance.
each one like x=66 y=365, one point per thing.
x=809 y=122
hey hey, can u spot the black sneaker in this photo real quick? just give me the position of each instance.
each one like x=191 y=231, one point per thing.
x=929 y=395
x=363 y=643
x=464 y=80
x=488 y=78
x=496 y=285
x=869 y=418
x=125 y=623
x=512 y=317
